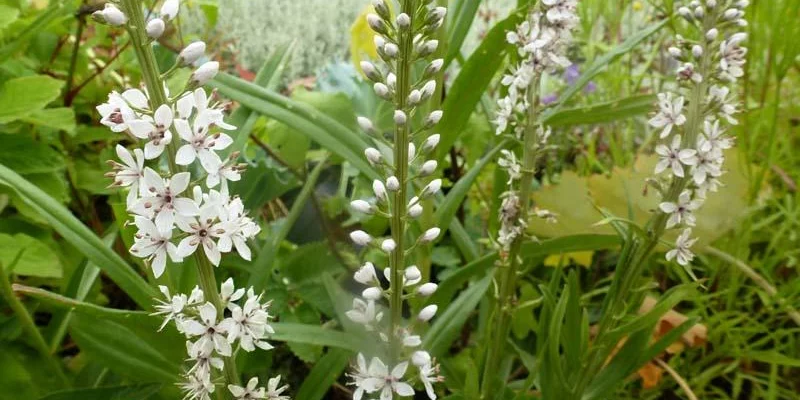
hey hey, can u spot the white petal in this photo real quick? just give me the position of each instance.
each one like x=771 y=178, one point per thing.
x=185 y=155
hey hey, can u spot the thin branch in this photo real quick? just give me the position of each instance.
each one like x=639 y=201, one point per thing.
x=679 y=379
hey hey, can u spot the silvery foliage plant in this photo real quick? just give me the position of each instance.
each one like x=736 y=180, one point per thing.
x=407 y=184
x=183 y=208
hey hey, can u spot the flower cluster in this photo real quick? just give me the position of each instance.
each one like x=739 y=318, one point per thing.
x=692 y=155
x=181 y=201
x=401 y=40
x=541 y=42
x=211 y=335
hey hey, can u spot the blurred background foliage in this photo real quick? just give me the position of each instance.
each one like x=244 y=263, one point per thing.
x=55 y=67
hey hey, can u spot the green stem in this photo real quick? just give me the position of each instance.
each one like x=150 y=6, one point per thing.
x=400 y=197
x=24 y=318
x=501 y=321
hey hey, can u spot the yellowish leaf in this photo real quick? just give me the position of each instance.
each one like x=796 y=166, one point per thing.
x=362 y=45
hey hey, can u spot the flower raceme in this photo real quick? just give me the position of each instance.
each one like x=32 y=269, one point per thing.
x=401 y=40
x=691 y=166
x=187 y=209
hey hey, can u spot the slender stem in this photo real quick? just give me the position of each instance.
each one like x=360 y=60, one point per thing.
x=679 y=379
x=400 y=198
x=501 y=321
x=36 y=338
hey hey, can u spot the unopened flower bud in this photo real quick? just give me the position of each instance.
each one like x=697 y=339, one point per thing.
x=428 y=167
x=366 y=274
x=427 y=289
x=428 y=48
x=379 y=190
x=360 y=238
x=415 y=211
x=365 y=124
x=373 y=155
x=414 y=97
x=111 y=15
x=372 y=293
x=685 y=13
x=742 y=4
x=737 y=38
x=412 y=151
x=432 y=188
x=697 y=51
x=433 y=118
x=381 y=8
x=192 y=53
x=712 y=34
x=388 y=245
x=155 y=28
x=431 y=142
x=400 y=117
x=361 y=206
x=421 y=358
x=699 y=13
x=731 y=14
x=431 y=235
x=741 y=22
x=205 y=73
x=379 y=41
x=392 y=183
x=376 y=23
x=169 y=10
x=391 y=80
x=371 y=71
x=674 y=52
x=428 y=89
x=391 y=50
x=382 y=91
x=412 y=273
x=434 y=67
x=428 y=312
x=711 y=3
x=403 y=21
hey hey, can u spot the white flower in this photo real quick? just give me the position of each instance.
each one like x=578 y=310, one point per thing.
x=427 y=289
x=709 y=165
x=373 y=155
x=249 y=324
x=200 y=144
x=372 y=293
x=682 y=251
x=713 y=139
x=192 y=53
x=360 y=238
x=428 y=375
x=364 y=313
x=273 y=391
x=229 y=294
x=380 y=190
x=431 y=142
x=670 y=114
x=172 y=308
x=431 y=235
x=238 y=228
x=432 y=188
x=251 y=391
x=155 y=130
x=227 y=171
x=154 y=245
x=674 y=157
x=388 y=245
x=113 y=16
x=203 y=230
x=203 y=358
x=366 y=275
x=360 y=376
x=205 y=73
x=211 y=333
x=420 y=358
x=163 y=201
x=682 y=211
x=155 y=28
x=117 y=113
x=129 y=173
x=509 y=162
x=720 y=94
x=361 y=206
x=196 y=387
x=380 y=380
x=411 y=276
x=732 y=58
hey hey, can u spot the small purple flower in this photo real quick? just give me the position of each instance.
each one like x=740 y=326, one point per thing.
x=591 y=87
x=572 y=73
x=550 y=99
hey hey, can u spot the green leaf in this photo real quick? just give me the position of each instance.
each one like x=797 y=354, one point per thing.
x=57 y=118
x=314 y=334
x=459 y=27
x=605 y=112
x=127 y=342
x=447 y=325
x=22 y=96
x=470 y=84
x=599 y=65
x=27 y=156
x=325 y=372
x=37 y=259
x=128 y=392
x=82 y=238
x=307 y=120
x=7 y=16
